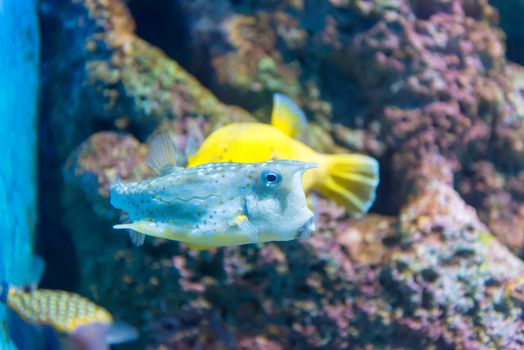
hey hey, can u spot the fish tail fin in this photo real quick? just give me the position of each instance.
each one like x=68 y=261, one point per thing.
x=36 y=268
x=33 y=268
x=120 y=332
x=350 y=180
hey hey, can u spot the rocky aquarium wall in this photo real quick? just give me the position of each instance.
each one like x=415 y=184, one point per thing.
x=19 y=67
x=424 y=86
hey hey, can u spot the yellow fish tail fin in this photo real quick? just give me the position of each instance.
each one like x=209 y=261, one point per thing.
x=287 y=116
x=351 y=181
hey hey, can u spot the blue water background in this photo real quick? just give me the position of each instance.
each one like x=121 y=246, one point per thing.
x=19 y=55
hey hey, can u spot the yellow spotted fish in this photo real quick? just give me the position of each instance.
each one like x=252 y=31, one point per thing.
x=63 y=311
x=55 y=319
x=349 y=179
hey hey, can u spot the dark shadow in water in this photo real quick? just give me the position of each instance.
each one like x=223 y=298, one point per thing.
x=53 y=241
x=388 y=199
x=163 y=25
x=511 y=22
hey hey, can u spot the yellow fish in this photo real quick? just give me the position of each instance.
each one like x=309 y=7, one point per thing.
x=55 y=319
x=61 y=310
x=349 y=179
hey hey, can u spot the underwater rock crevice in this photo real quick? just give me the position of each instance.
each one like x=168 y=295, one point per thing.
x=165 y=26
x=386 y=203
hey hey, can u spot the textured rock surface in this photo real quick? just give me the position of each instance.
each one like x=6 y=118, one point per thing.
x=424 y=85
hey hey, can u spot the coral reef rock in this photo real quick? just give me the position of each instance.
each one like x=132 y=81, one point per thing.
x=433 y=276
x=422 y=85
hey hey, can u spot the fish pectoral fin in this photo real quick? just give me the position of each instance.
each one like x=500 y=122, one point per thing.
x=161 y=157
x=242 y=221
x=287 y=116
x=137 y=238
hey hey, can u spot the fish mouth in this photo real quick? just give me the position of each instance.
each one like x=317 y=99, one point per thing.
x=307 y=229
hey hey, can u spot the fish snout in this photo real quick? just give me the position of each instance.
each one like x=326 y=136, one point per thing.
x=307 y=229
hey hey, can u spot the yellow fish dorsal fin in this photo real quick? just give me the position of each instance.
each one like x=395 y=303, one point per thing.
x=161 y=156
x=287 y=116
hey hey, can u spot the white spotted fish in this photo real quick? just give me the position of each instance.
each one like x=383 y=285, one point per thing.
x=215 y=204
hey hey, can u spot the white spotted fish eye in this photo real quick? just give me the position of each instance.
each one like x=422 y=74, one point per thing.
x=270 y=178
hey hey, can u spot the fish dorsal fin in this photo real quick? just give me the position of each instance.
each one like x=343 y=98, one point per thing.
x=287 y=116
x=161 y=156
x=168 y=169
